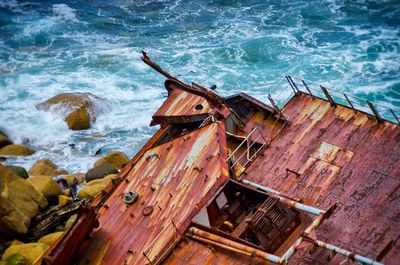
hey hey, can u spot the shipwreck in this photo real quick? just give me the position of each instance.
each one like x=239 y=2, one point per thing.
x=310 y=177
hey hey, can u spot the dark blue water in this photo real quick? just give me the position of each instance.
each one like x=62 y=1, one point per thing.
x=49 y=47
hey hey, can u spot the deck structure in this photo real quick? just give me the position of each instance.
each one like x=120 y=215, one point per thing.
x=235 y=181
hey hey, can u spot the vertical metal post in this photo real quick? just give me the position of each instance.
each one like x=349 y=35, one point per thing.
x=294 y=84
x=328 y=96
x=376 y=113
x=395 y=116
x=273 y=103
x=351 y=104
x=291 y=85
x=309 y=91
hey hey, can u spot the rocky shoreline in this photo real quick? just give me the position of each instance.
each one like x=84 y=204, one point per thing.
x=39 y=204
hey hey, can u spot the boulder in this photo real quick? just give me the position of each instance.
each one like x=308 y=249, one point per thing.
x=77 y=109
x=45 y=167
x=64 y=200
x=31 y=251
x=100 y=171
x=78 y=119
x=17 y=259
x=20 y=171
x=93 y=188
x=50 y=238
x=80 y=177
x=16 y=150
x=117 y=159
x=46 y=186
x=71 y=220
x=19 y=203
x=4 y=140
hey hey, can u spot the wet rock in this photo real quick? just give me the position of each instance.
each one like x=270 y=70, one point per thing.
x=80 y=177
x=20 y=171
x=64 y=200
x=16 y=150
x=93 y=188
x=50 y=238
x=31 y=251
x=100 y=171
x=17 y=259
x=45 y=167
x=71 y=220
x=4 y=140
x=19 y=202
x=78 y=109
x=45 y=185
x=78 y=119
x=117 y=159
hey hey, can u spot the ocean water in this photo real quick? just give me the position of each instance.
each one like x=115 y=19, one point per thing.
x=49 y=47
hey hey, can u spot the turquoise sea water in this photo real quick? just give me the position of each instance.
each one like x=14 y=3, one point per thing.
x=50 y=47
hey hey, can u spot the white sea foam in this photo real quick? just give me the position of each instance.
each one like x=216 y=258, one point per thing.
x=64 y=11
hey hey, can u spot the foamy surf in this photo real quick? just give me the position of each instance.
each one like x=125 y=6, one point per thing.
x=49 y=48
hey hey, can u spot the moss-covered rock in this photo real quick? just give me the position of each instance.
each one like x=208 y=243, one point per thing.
x=31 y=251
x=19 y=202
x=16 y=150
x=4 y=140
x=45 y=185
x=117 y=159
x=46 y=167
x=101 y=171
x=50 y=238
x=20 y=171
x=78 y=109
x=17 y=259
x=64 y=200
x=93 y=188
x=80 y=177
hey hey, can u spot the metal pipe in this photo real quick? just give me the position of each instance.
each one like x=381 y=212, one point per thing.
x=288 y=201
x=211 y=242
x=342 y=252
x=233 y=244
x=289 y=253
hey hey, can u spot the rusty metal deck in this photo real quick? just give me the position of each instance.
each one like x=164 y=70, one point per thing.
x=343 y=158
x=175 y=179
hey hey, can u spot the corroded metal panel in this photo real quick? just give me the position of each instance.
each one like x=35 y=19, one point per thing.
x=343 y=158
x=181 y=103
x=175 y=179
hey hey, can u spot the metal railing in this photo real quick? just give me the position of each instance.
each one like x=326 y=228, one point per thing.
x=249 y=154
x=161 y=245
x=284 y=91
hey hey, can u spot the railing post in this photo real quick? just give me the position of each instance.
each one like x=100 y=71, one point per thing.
x=395 y=116
x=328 y=96
x=294 y=83
x=376 y=113
x=291 y=84
x=309 y=91
x=351 y=104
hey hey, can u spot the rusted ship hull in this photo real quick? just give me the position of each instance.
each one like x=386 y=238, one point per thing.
x=235 y=181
